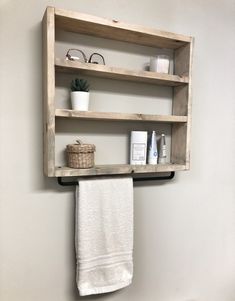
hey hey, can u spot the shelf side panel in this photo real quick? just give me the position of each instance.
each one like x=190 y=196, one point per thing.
x=182 y=60
x=179 y=144
x=49 y=92
x=180 y=100
x=182 y=105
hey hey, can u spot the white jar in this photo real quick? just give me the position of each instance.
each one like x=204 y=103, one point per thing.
x=160 y=63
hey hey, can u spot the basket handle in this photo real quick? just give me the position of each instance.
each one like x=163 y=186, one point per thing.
x=79 y=141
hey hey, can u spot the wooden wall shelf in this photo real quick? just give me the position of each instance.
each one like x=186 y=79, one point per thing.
x=57 y=19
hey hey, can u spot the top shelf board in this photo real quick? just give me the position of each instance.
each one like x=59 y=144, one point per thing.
x=116 y=30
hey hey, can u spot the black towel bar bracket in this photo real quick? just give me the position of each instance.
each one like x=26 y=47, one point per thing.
x=160 y=178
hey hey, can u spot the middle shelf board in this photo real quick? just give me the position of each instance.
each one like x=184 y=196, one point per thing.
x=104 y=71
x=113 y=116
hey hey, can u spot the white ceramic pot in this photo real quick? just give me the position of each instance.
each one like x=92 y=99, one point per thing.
x=80 y=100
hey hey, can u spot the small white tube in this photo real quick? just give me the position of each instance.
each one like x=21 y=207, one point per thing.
x=152 y=151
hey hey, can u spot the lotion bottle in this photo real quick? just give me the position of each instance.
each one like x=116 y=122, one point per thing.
x=152 y=151
x=162 y=151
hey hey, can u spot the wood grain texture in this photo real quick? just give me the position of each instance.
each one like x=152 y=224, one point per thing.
x=119 y=73
x=182 y=60
x=182 y=105
x=116 y=30
x=189 y=122
x=179 y=143
x=49 y=91
x=116 y=169
x=180 y=101
x=113 y=116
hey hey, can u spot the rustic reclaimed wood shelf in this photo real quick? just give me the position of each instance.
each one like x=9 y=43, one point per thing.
x=113 y=116
x=120 y=73
x=57 y=19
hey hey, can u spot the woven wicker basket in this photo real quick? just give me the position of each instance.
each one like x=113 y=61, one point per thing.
x=80 y=155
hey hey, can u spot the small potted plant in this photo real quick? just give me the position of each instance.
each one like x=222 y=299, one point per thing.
x=80 y=94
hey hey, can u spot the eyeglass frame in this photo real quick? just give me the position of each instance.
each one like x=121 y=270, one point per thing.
x=72 y=58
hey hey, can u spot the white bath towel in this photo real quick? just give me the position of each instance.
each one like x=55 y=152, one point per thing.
x=104 y=235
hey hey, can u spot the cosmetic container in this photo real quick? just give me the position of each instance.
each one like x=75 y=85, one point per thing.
x=138 y=147
x=152 y=150
x=162 y=150
x=159 y=63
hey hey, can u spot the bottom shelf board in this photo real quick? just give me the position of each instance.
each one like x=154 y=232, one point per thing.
x=116 y=169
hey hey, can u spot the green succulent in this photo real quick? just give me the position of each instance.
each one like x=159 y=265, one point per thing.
x=79 y=85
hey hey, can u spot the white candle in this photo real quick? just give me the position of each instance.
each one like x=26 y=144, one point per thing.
x=160 y=63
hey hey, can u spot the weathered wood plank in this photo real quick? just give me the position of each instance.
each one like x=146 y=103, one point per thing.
x=179 y=143
x=116 y=30
x=182 y=60
x=120 y=73
x=116 y=169
x=113 y=116
x=49 y=91
x=182 y=105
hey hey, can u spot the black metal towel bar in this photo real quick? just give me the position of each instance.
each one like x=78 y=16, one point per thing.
x=74 y=183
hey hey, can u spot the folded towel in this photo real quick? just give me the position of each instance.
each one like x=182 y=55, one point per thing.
x=104 y=235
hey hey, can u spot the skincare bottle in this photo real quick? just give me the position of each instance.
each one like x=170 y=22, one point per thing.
x=138 y=147
x=162 y=150
x=152 y=151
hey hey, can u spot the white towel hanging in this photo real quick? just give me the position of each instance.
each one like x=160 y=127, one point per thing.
x=104 y=234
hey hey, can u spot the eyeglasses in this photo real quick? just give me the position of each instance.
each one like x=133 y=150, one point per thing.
x=71 y=57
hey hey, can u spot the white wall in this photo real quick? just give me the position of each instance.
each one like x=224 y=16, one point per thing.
x=184 y=229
